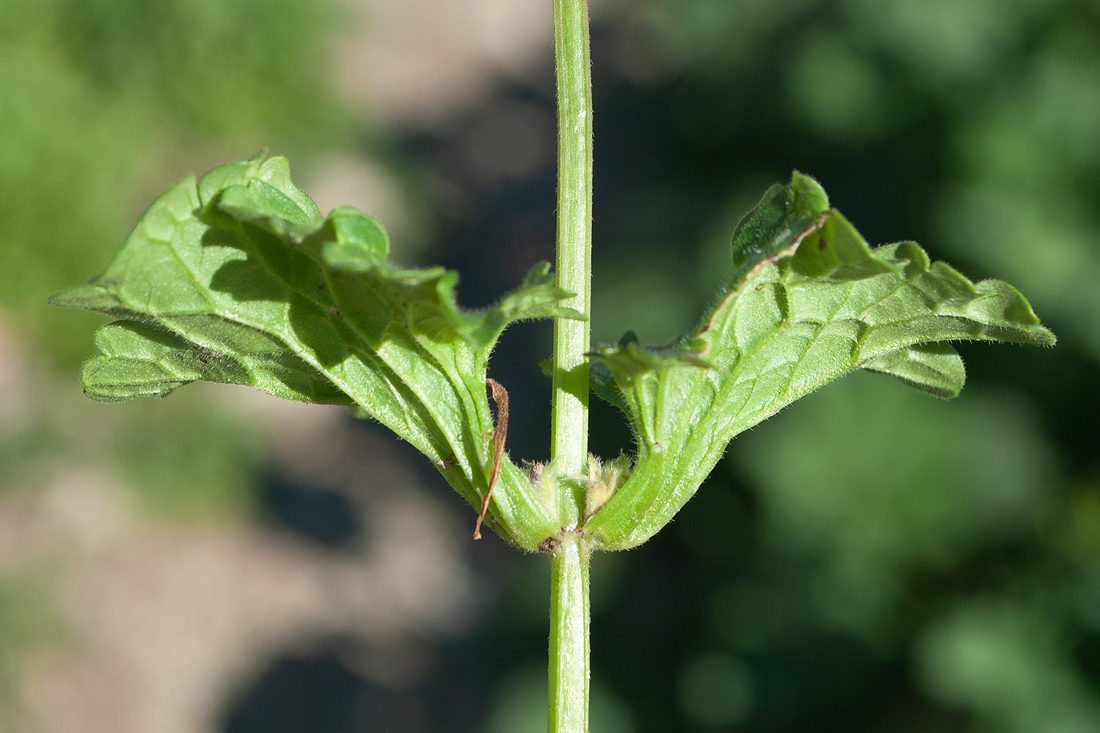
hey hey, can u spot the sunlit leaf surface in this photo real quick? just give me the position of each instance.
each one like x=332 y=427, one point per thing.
x=236 y=277
x=809 y=301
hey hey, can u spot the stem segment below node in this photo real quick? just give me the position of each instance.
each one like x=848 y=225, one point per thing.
x=569 y=645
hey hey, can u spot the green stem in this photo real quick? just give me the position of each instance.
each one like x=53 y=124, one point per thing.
x=569 y=449
x=569 y=650
x=569 y=597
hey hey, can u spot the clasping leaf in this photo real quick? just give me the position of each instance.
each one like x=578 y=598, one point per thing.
x=809 y=301
x=237 y=277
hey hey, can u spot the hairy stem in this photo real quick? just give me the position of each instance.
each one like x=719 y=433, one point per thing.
x=569 y=650
x=569 y=654
x=569 y=449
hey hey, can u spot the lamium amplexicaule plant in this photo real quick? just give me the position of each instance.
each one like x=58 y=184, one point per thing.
x=237 y=277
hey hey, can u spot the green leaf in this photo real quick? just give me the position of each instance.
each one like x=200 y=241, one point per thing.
x=809 y=302
x=934 y=368
x=237 y=278
x=140 y=359
x=784 y=214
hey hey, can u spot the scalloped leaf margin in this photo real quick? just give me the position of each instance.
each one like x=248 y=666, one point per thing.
x=237 y=278
x=809 y=301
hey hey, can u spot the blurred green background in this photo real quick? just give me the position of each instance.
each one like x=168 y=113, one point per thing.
x=870 y=560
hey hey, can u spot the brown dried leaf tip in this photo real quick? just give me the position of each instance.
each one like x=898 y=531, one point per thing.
x=500 y=434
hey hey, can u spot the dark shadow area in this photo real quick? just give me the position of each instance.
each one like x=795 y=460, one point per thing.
x=322 y=692
x=312 y=695
x=317 y=514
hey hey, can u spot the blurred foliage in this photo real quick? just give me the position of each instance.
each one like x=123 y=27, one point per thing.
x=26 y=620
x=868 y=484
x=188 y=462
x=102 y=104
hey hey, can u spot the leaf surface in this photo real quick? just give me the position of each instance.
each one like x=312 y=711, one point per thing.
x=237 y=278
x=809 y=301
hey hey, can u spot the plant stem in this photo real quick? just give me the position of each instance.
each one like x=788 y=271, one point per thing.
x=569 y=448
x=569 y=595
x=569 y=649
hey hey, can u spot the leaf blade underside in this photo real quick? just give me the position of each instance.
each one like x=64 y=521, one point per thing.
x=237 y=278
x=809 y=301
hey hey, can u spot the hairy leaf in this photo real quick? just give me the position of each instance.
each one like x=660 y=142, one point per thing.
x=236 y=277
x=809 y=301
